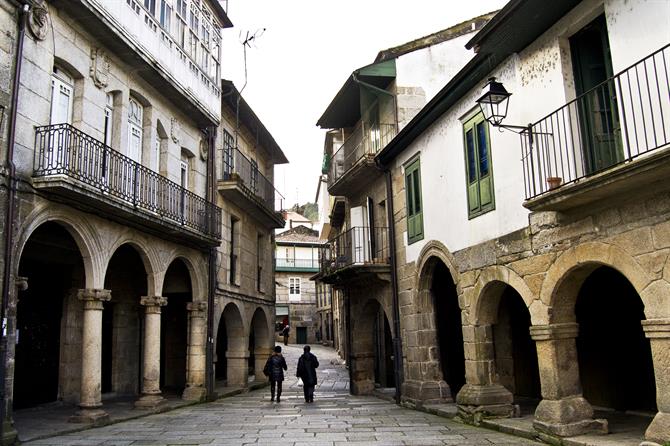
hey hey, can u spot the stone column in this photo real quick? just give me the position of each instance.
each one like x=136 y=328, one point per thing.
x=196 y=356
x=91 y=358
x=261 y=355
x=482 y=396
x=658 y=332
x=362 y=373
x=151 y=393
x=563 y=411
x=238 y=368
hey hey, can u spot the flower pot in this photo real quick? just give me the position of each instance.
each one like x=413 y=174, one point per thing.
x=554 y=182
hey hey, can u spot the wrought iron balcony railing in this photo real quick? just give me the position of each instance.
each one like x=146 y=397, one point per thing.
x=63 y=150
x=615 y=122
x=238 y=166
x=292 y=263
x=365 y=140
x=360 y=245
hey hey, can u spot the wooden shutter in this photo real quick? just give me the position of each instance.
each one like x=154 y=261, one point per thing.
x=414 y=204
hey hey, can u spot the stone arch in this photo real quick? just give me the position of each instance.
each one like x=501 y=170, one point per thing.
x=431 y=253
x=230 y=350
x=198 y=281
x=83 y=233
x=565 y=277
x=69 y=67
x=488 y=291
x=261 y=340
x=149 y=258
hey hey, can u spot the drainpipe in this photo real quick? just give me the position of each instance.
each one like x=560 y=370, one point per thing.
x=9 y=217
x=211 y=265
x=397 y=340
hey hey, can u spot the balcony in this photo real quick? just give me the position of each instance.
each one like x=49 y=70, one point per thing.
x=358 y=253
x=296 y=265
x=247 y=188
x=97 y=178
x=607 y=143
x=353 y=165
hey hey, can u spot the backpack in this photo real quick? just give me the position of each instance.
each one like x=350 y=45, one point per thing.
x=266 y=369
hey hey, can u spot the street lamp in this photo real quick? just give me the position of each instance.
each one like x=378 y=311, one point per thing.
x=494 y=103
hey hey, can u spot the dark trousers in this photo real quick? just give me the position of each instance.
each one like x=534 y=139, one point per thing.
x=273 y=385
x=285 y=339
x=309 y=392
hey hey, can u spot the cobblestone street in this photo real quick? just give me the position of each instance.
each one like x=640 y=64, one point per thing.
x=335 y=418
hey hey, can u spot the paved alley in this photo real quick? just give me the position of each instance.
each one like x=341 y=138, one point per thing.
x=335 y=418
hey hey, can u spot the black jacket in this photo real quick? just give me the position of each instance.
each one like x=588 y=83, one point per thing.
x=276 y=364
x=307 y=365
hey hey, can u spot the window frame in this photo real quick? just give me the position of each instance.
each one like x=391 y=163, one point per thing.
x=472 y=123
x=412 y=168
x=294 y=284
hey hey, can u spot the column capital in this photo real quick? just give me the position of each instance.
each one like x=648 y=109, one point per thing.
x=196 y=307
x=550 y=332
x=94 y=298
x=21 y=283
x=656 y=328
x=153 y=301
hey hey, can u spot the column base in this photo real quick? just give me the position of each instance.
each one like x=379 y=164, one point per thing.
x=95 y=416
x=419 y=393
x=151 y=401
x=194 y=393
x=567 y=417
x=659 y=429
x=9 y=434
x=476 y=403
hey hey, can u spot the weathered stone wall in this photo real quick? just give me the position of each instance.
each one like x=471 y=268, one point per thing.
x=302 y=313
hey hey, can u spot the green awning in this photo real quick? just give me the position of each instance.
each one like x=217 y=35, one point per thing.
x=345 y=109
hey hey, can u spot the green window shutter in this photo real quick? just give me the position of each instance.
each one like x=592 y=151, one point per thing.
x=414 y=204
x=479 y=173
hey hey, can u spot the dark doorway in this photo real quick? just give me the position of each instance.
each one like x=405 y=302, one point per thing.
x=599 y=117
x=449 y=328
x=221 y=370
x=615 y=362
x=107 y=346
x=301 y=335
x=53 y=265
x=383 y=344
x=515 y=351
x=174 y=327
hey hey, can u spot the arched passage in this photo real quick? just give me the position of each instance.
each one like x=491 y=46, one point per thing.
x=615 y=362
x=449 y=330
x=174 y=326
x=260 y=343
x=123 y=322
x=49 y=319
x=231 y=368
x=372 y=350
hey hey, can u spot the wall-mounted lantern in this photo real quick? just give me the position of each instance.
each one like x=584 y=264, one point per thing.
x=494 y=103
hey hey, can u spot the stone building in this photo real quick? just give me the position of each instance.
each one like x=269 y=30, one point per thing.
x=113 y=239
x=296 y=260
x=364 y=116
x=533 y=271
x=245 y=293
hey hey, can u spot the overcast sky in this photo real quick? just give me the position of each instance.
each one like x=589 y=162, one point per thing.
x=306 y=53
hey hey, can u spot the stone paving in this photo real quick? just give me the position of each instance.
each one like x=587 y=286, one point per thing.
x=335 y=418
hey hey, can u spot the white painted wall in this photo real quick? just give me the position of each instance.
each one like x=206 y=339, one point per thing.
x=297 y=252
x=541 y=80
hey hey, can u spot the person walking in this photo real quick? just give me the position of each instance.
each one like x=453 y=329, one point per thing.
x=285 y=332
x=307 y=365
x=274 y=369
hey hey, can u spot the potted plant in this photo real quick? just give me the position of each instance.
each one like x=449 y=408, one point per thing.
x=554 y=182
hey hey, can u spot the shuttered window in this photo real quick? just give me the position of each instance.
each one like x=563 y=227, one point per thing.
x=414 y=204
x=479 y=173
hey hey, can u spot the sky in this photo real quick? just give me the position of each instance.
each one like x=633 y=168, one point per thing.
x=307 y=51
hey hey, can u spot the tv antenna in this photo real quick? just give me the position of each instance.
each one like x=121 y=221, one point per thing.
x=249 y=39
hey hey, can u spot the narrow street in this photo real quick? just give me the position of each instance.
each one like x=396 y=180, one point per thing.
x=335 y=418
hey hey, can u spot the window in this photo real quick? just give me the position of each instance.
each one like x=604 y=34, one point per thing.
x=414 y=204
x=479 y=174
x=62 y=87
x=135 y=112
x=109 y=112
x=254 y=176
x=234 y=228
x=260 y=258
x=228 y=144
x=165 y=15
x=180 y=28
x=151 y=6
x=293 y=289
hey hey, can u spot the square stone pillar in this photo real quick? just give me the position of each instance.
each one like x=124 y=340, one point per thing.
x=482 y=396
x=91 y=358
x=151 y=393
x=658 y=333
x=261 y=355
x=362 y=373
x=196 y=358
x=238 y=368
x=563 y=411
